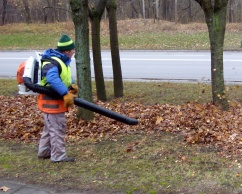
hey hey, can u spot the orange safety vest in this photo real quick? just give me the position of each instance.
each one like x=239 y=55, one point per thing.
x=51 y=105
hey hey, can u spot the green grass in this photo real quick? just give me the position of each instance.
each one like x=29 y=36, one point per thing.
x=151 y=93
x=8 y=87
x=157 y=41
x=160 y=163
x=161 y=36
x=165 y=41
x=26 y=41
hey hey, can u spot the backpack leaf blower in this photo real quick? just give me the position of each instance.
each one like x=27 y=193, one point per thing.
x=30 y=80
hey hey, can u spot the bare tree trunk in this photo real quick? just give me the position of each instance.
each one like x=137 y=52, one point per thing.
x=216 y=21
x=143 y=6
x=176 y=15
x=54 y=10
x=231 y=12
x=95 y=14
x=157 y=9
x=80 y=17
x=239 y=12
x=190 y=11
x=117 y=72
x=164 y=9
x=27 y=12
x=67 y=6
x=57 y=11
x=45 y=8
x=135 y=13
x=5 y=2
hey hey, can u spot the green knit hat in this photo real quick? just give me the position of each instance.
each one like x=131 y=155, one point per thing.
x=65 y=43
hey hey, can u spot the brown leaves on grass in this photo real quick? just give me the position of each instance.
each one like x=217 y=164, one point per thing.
x=200 y=123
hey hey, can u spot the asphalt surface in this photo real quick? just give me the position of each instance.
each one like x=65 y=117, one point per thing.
x=13 y=187
x=143 y=65
x=20 y=188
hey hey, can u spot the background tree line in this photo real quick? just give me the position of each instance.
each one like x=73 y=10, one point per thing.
x=47 y=11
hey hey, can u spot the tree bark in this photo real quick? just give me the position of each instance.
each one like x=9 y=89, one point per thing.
x=157 y=9
x=164 y=9
x=216 y=21
x=135 y=13
x=143 y=8
x=27 y=12
x=80 y=17
x=95 y=14
x=176 y=13
x=5 y=2
x=117 y=72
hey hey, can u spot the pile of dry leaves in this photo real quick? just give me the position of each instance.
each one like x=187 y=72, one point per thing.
x=199 y=123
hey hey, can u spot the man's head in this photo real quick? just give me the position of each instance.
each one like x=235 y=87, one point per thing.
x=66 y=45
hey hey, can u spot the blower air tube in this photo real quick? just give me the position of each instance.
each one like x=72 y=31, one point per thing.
x=80 y=102
x=40 y=89
x=103 y=111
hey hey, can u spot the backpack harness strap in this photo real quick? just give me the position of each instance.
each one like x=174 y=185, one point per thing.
x=54 y=62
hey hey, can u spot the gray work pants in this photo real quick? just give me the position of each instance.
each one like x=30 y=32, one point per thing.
x=52 y=142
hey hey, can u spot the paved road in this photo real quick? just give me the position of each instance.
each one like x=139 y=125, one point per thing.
x=13 y=187
x=148 y=65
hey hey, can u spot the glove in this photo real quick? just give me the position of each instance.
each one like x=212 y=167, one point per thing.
x=68 y=100
x=74 y=89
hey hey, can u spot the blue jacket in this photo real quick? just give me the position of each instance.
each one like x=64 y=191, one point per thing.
x=51 y=72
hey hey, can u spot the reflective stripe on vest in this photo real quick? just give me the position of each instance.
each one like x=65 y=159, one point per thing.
x=51 y=105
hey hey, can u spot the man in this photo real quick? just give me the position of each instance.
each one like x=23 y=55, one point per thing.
x=56 y=73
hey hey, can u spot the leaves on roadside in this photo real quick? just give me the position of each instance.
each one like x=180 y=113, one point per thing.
x=21 y=119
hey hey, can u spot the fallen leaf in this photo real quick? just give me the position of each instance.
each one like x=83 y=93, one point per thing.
x=4 y=189
x=158 y=120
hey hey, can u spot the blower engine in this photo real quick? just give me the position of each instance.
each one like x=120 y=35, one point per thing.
x=31 y=69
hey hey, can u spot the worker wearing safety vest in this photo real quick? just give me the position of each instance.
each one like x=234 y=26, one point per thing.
x=59 y=78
